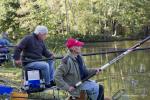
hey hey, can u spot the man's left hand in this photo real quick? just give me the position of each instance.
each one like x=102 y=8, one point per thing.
x=98 y=70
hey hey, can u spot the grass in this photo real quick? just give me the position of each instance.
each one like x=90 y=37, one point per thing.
x=12 y=76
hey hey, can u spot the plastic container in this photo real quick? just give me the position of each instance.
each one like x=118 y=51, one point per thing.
x=5 y=90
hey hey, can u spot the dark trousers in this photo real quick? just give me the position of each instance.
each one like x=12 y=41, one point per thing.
x=101 y=93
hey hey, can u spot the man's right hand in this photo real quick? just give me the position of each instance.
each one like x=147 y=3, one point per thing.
x=18 y=62
x=71 y=88
x=52 y=56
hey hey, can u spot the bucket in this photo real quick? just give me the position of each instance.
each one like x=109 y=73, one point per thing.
x=5 y=92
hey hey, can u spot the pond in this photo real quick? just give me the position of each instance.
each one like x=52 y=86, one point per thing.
x=128 y=78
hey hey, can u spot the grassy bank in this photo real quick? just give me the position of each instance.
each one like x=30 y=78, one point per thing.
x=12 y=76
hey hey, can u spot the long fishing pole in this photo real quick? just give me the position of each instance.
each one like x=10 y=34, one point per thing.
x=10 y=57
x=114 y=60
x=8 y=46
x=114 y=51
x=90 y=54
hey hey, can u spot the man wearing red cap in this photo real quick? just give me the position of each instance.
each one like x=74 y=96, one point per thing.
x=73 y=70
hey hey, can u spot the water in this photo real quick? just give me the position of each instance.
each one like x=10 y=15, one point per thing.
x=131 y=73
x=127 y=79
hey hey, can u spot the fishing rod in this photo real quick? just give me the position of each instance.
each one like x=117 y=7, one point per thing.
x=89 y=54
x=8 y=46
x=10 y=56
x=114 y=60
x=114 y=51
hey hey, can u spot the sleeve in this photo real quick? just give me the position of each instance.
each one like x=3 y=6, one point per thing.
x=59 y=76
x=8 y=43
x=46 y=53
x=22 y=45
x=88 y=70
x=91 y=71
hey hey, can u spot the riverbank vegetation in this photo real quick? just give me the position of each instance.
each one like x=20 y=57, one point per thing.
x=89 y=20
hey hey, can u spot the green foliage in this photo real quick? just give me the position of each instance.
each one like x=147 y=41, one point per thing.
x=8 y=17
x=111 y=18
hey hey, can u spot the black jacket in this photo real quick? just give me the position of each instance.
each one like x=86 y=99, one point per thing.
x=32 y=48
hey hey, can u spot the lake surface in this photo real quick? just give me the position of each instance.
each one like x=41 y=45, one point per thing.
x=128 y=78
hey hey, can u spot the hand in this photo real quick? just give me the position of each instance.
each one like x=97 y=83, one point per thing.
x=18 y=62
x=98 y=70
x=71 y=88
x=52 y=55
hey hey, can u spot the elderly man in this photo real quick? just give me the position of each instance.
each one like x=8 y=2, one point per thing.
x=73 y=70
x=33 y=48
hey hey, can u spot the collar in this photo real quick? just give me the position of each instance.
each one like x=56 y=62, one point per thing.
x=36 y=37
x=71 y=55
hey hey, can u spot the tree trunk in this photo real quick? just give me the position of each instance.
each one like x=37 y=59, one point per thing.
x=73 y=13
x=67 y=18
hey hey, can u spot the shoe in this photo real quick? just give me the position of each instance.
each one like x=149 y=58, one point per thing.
x=52 y=83
x=48 y=85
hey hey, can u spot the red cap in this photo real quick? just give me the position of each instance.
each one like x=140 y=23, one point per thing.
x=73 y=42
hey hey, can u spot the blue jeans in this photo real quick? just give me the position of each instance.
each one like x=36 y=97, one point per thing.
x=92 y=89
x=47 y=69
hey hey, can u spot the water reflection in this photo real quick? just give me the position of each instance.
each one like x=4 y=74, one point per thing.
x=142 y=68
x=131 y=73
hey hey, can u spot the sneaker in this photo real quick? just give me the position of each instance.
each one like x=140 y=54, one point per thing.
x=52 y=83
x=48 y=85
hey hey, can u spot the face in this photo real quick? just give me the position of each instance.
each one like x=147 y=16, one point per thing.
x=42 y=36
x=76 y=49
